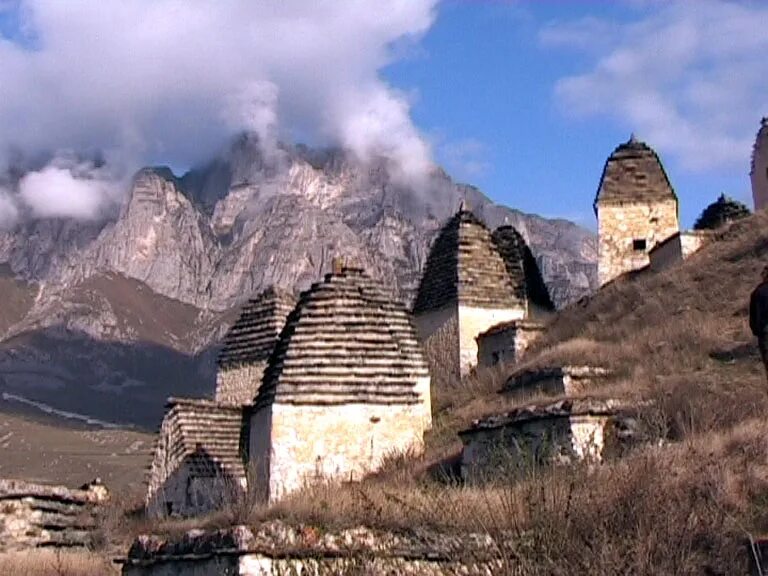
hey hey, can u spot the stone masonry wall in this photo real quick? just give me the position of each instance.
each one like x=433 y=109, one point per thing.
x=620 y=224
x=238 y=385
x=564 y=439
x=507 y=345
x=36 y=515
x=275 y=548
x=677 y=248
x=344 y=442
x=475 y=321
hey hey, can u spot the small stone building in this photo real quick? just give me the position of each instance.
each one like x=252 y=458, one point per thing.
x=677 y=248
x=505 y=343
x=248 y=344
x=341 y=386
x=346 y=386
x=466 y=288
x=759 y=169
x=198 y=464
x=636 y=209
x=565 y=431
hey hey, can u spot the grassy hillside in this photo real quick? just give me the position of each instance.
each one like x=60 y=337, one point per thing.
x=683 y=504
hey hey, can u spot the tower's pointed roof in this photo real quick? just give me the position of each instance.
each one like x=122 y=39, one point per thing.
x=522 y=267
x=720 y=212
x=633 y=173
x=253 y=336
x=464 y=265
x=346 y=341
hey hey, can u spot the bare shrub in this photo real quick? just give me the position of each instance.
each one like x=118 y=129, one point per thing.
x=56 y=563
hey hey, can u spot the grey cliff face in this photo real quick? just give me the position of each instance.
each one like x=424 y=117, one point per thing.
x=162 y=280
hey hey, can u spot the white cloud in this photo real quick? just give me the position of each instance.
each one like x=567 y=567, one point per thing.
x=9 y=213
x=67 y=189
x=170 y=80
x=467 y=158
x=691 y=78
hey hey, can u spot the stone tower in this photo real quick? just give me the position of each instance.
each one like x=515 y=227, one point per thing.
x=466 y=288
x=248 y=344
x=346 y=386
x=636 y=208
x=759 y=170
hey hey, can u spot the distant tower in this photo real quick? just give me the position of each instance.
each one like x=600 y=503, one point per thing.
x=466 y=288
x=759 y=171
x=636 y=208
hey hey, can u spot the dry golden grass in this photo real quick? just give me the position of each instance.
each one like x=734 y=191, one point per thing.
x=55 y=563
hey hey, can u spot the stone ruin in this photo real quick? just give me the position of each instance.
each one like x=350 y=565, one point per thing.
x=276 y=548
x=506 y=343
x=474 y=280
x=636 y=209
x=197 y=465
x=565 y=431
x=329 y=390
x=758 y=172
x=44 y=516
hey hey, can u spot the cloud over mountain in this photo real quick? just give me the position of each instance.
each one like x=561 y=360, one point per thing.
x=170 y=80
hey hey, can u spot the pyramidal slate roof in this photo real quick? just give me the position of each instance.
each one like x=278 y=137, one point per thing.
x=346 y=341
x=522 y=267
x=208 y=436
x=632 y=173
x=253 y=336
x=464 y=265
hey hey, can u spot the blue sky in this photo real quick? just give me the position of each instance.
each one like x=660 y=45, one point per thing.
x=525 y=99
x=486 y=93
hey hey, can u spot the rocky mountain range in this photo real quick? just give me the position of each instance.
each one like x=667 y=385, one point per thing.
x=108 y=318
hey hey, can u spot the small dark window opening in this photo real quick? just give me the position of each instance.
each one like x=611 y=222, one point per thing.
x=766 y=172
x=638 y=244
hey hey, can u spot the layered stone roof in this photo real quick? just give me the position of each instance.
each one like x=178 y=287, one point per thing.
x=522 y=267
x=720 y=212
x=559 y=409
x=633 y=173
x=464 y=265
x=207 y=437
x=253 y=336
x=346 y=341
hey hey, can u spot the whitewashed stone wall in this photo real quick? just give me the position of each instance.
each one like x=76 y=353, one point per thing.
x=677 y=248
x=345 y=442
x=473 y=322
x=507 y=345
x=458 y=327
x=239 y=385
x=621 y=224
